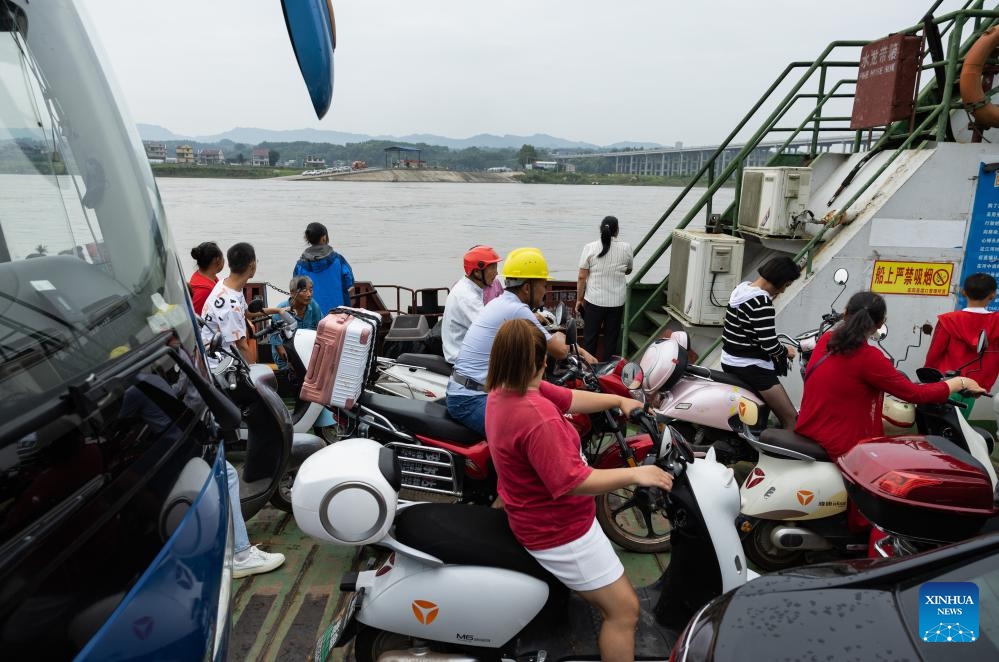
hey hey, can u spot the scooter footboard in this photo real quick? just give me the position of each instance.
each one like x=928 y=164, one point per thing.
x=470 y=605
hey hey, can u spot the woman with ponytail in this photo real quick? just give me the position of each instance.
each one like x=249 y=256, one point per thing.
x=846 y=378
x=601 y=288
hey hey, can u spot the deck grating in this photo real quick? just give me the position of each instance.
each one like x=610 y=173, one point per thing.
x=244 y=633
x=279 y=615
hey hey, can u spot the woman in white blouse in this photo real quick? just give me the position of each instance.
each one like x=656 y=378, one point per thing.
x=601 y=288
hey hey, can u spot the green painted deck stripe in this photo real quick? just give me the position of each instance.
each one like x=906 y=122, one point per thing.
x=281 y=614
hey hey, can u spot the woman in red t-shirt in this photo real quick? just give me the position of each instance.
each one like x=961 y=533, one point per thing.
x=210 y=262
x=547 y=486
x=846 y=378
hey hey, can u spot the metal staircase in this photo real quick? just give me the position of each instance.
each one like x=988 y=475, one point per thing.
x=646 y=315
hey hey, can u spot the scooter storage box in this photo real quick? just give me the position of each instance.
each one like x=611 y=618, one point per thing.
x=919 y=487
x=341 y=358
x=408 y=328
x=347 y=492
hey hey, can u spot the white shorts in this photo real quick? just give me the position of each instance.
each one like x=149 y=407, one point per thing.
x=585 y=564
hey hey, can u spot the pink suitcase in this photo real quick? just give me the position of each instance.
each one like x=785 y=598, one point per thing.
x=341 y=358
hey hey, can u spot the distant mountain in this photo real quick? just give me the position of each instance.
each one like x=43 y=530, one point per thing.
x=254 y=136
x=156 y=132
x=490 y=141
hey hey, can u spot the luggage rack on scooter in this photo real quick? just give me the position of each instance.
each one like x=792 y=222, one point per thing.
x=428 y=470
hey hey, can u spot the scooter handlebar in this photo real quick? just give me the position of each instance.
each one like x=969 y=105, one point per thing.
x=264 y=332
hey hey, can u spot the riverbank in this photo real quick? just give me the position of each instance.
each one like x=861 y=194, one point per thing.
x=421 y=175
x=221 y=172
x=609 y=179
x=418 y=176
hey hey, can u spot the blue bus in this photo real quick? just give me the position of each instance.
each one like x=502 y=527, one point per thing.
x=115 y=525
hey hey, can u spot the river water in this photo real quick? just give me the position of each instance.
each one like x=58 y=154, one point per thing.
x=411 y=234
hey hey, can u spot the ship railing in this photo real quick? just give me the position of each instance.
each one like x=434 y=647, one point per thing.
x=932 y=127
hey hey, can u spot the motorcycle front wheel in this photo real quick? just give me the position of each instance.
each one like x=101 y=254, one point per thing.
x=632 y=522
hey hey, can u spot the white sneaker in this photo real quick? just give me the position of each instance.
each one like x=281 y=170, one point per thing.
x=256 y=562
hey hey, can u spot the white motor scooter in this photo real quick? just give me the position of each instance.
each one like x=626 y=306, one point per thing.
x=794 y=501
x=457 y=585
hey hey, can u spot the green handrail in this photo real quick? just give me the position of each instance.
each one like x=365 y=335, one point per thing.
x=949 y=22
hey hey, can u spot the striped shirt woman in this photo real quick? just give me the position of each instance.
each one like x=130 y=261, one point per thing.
x=750 y=349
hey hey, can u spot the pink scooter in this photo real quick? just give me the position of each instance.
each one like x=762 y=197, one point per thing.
x=702 y=403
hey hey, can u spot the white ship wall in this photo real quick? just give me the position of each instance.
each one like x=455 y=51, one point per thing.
x=917 y=211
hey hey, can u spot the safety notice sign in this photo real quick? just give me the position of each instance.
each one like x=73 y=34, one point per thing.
x=922 y=278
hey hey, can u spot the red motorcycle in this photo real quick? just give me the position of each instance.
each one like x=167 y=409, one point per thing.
x=442 y=459
x=627 y=516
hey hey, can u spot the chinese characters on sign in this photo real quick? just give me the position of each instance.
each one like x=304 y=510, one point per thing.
x=886 y=81
x=923 y=278
x=879 y=61
x=981 y=250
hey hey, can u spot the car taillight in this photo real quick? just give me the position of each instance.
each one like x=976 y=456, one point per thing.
x=903 y=484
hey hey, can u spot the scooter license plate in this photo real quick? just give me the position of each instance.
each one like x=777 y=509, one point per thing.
x=339 y=631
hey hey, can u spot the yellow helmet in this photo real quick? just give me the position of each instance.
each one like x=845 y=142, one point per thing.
x=525 y=264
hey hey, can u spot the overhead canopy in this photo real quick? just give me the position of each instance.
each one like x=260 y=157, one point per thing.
x=397 y=157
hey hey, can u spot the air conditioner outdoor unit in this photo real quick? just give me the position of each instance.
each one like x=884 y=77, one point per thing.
x=704 y=268
x=771 y=198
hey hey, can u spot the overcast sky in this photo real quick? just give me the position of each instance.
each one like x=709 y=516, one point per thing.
x=600 y=72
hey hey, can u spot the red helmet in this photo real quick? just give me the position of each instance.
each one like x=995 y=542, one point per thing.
x=479 y=257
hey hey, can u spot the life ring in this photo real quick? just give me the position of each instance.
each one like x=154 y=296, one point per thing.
x=975 y=102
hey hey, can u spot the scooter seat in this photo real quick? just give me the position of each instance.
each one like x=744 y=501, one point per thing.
x=788 y=440
x=723 y=377
x=432 y=362
x=470 y=535
x=420 y=417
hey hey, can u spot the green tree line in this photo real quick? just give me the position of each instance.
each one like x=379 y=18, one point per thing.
x=372 y=152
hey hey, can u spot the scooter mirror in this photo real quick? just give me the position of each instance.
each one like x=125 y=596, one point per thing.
x=841 y=276
x=882 y=332
x=983 y=342
x=632 y=376
x=570 y=332
x=256 y=306
x=560 y=313
x=928 y=375
x=215 y=344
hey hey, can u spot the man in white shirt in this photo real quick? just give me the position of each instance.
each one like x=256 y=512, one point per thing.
x=525 y=273
x=465 y=300
x=225 y=313
x=225 y=307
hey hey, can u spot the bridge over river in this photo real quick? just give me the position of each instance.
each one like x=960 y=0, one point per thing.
x=684 y=161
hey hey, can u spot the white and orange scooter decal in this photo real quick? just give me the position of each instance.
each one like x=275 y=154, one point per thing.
x=805 y=496
x=425 y=611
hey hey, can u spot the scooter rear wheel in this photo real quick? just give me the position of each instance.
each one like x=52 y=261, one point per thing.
x=766 y=556
x=281 y=498
x=632 y=522
x=371 y=643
